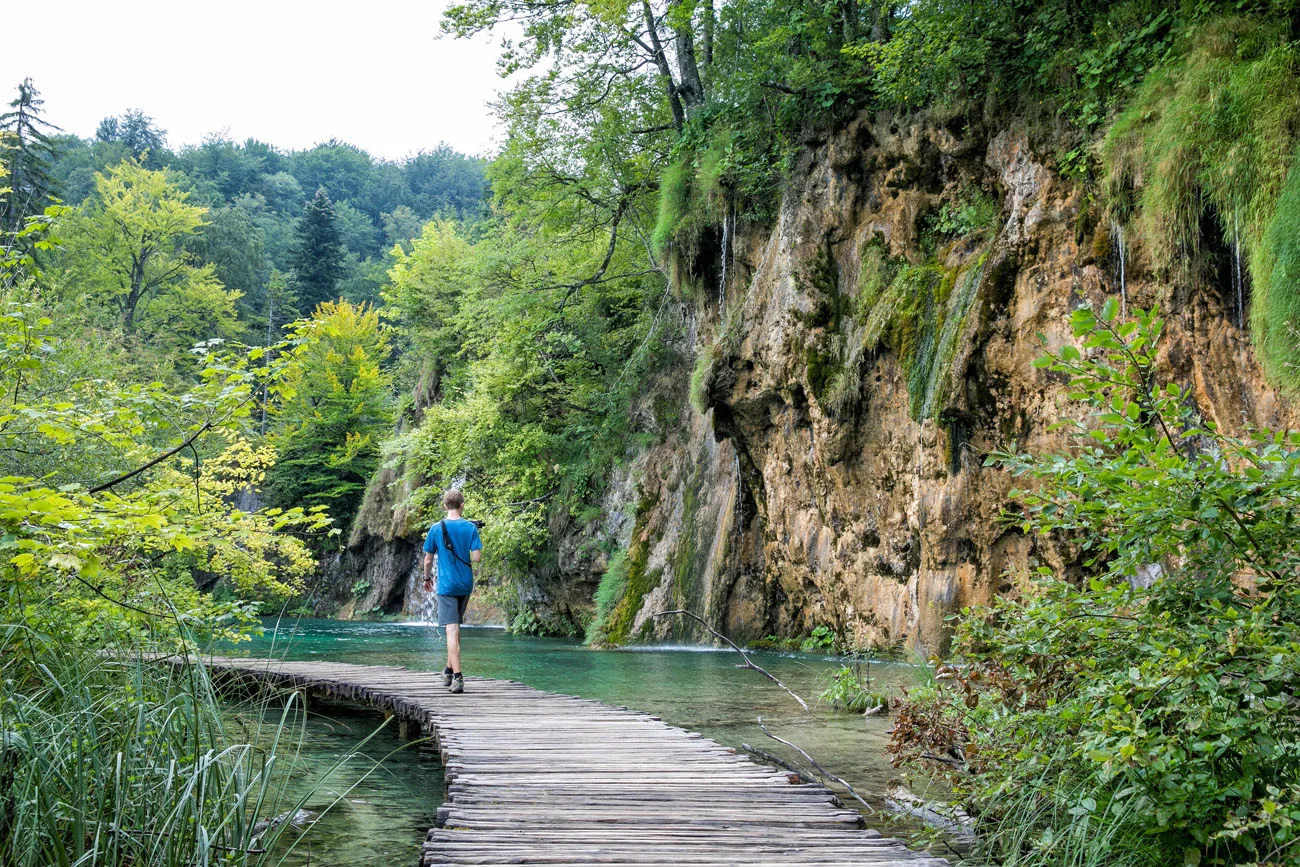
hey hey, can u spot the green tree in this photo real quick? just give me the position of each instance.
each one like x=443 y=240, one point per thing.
x=340 y=168
x=332 y=408
x=136 y=132
x=126 y=244
x=234 y=245
x=401 y=227
x=27 y=149
x=532 y=357
x=318 y=253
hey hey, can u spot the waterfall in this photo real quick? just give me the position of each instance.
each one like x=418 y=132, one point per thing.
x=420 y=606
x=727 y=220
x=1236 y=274
x=1118 y=231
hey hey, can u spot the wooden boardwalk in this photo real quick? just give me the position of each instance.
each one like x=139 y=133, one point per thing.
x=541 y=778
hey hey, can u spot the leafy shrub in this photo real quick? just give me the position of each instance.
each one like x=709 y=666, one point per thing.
x=527 y=622
x=974 y=211
x=1146 y=717
x=821 y=638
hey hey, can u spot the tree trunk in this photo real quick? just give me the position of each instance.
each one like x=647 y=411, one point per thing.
x=133 y=295
x=665 y=71
x=880 y=14
x=709 y=18
x=691 y=88
x=849 y=20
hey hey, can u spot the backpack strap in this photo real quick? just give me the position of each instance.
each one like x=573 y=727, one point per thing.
x=451 y=549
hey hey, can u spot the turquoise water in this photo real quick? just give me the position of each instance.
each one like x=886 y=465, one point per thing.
x=697 y=688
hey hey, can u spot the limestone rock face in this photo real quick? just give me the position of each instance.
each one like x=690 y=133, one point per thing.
x=780 y=509
x=833 y=479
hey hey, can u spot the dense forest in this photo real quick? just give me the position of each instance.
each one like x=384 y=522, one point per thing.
x=219 y=359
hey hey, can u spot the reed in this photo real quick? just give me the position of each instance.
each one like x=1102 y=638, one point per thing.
x=112 y=758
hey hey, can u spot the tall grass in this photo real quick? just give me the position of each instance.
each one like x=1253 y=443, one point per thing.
x=115 y=759
x=1046 y=817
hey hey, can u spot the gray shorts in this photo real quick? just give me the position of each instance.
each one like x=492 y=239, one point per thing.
x=451 y=609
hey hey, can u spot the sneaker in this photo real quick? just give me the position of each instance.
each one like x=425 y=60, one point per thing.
x=446 y=676
x=457 y=683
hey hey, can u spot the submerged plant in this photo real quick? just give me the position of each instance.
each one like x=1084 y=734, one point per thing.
x=853 y=690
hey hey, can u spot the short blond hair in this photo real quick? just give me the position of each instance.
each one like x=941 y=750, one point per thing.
x=453 y=499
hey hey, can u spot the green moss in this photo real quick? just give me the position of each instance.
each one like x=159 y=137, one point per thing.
x=1102 y=243
x=830 y=366
x=624 y=586
x=876 y=273
x=693 y=191
x=702 y=379
x=1275 y=319
x=1214 y=134
x=637 y=583
x=712 y=359
x=821 y=368
x=674 y=202
x=613 y=586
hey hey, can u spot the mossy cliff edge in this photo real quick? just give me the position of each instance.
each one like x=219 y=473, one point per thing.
x=863 y=355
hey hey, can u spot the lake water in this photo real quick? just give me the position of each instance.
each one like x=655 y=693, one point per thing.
x=383 y=818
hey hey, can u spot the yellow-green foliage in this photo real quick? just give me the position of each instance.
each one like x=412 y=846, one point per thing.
x=333 y=405
x=1217 y=132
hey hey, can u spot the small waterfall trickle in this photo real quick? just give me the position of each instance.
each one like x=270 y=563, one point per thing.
x=421 y=607
x=1236 y=274
x=728 y=227
x=1118 y=231
x=945 y=346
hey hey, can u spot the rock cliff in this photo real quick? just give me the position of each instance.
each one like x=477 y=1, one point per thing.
x=836 y=476
x=849 y=367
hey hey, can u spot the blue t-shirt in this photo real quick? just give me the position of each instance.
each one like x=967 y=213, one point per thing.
x=454 y=577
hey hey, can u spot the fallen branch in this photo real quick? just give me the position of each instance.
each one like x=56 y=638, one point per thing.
x=798 y=770
x=749 y=663
x=825 y=773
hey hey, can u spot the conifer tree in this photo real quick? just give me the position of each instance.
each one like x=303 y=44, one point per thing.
x=137 y=132
x=26 y=155
x=318 y=254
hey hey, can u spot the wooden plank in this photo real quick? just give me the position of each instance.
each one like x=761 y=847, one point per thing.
x=544 y=778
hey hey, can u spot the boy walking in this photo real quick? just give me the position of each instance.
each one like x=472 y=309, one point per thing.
x=457 y=545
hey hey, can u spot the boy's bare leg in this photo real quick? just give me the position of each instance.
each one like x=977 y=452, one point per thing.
x=453 y=646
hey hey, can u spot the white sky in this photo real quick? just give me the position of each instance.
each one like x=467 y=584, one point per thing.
x=288 y=72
